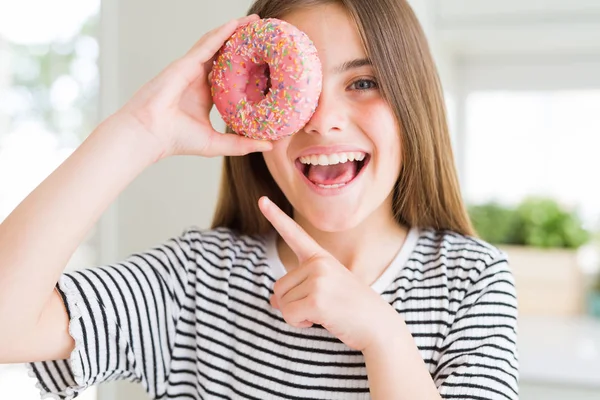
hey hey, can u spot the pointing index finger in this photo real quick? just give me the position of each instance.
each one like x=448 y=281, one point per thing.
x=299 y=241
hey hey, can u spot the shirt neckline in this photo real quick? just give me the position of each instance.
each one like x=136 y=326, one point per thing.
x=380 y=284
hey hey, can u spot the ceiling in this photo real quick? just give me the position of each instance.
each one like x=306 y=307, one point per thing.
x=519 y=27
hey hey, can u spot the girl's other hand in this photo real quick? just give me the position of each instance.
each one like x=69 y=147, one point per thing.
x=323 y=291
x=173 y=108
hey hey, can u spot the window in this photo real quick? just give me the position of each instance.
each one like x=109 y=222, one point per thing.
x=48 y=104
x=520 y=143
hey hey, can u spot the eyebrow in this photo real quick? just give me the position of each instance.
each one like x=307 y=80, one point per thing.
x=348 y=65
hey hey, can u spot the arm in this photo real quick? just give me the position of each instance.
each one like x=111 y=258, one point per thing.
x=168 y=116
x=394 y=365
x=478 y=357
x=41 y=234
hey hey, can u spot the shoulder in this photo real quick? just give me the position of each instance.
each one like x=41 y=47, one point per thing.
x=465 y=261
x=224 y=245
x=454 y=245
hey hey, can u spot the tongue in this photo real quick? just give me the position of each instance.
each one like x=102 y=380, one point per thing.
x=332 y=174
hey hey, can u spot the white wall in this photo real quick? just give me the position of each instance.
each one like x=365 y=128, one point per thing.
x=427 y=13
x=139 y=38
x=530 y=73
x=519 y=26
x=180 y=191
x=4 y=79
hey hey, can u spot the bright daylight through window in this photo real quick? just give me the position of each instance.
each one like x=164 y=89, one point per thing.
x=48 y=104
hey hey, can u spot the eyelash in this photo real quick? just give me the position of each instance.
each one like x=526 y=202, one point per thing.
x=362 y=80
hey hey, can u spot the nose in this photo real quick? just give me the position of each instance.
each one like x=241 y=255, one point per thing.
x=329 y=116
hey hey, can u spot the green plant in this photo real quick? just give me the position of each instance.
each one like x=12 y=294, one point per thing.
x=494 y=223
x=536 y=221
x=543 y=223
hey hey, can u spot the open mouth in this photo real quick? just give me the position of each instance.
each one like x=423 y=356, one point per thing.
x=332 y=171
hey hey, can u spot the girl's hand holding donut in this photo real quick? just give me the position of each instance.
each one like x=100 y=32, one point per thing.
x=173 y=108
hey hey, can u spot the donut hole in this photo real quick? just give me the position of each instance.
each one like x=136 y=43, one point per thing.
x=267 y=73
x=259 y=82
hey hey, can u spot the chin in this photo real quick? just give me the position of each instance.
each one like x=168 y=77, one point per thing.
x=331 y=221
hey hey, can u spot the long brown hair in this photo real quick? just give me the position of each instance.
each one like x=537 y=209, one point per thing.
x=427 y=192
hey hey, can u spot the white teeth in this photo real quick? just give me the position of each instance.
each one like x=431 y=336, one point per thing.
x=337 y=185
x=331 y=159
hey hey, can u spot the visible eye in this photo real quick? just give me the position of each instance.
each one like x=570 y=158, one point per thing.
x=363 y=84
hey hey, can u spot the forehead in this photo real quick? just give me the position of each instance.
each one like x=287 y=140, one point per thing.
x=332 y=30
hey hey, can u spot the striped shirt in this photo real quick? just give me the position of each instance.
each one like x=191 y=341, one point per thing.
x=191 y=319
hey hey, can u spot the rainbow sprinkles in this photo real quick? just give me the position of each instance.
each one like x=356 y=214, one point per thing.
x=266 y=80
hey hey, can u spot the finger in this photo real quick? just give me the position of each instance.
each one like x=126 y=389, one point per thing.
x=290 y=282
x=297 y=315
x=273 y=301
x=209 y=44
x=229 y=144
x=295 y=293
x=299 y=241
x=239 y=21
x=190 y=67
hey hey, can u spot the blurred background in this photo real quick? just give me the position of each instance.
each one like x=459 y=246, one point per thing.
x=522 y=84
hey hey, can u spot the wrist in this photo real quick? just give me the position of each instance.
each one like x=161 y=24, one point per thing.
x=132 y=137
x=388 y=331
x=395 y=366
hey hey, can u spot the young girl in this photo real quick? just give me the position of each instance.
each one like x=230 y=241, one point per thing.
x=370 y=287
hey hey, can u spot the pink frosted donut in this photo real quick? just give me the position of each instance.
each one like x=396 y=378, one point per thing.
x=266 y=80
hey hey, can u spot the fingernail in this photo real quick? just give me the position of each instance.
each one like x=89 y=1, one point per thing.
x=247 y=17
x=264 y=199
x=274 y=302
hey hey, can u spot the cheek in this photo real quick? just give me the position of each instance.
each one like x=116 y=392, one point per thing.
x=378 y=119
x=385 y=134
x=393 y=148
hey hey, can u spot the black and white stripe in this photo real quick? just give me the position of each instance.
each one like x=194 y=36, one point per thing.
x=192 y=320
